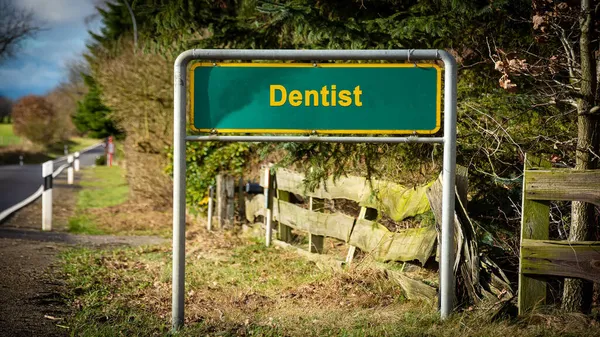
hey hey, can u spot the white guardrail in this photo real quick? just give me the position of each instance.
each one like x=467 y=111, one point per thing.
x=4 y=214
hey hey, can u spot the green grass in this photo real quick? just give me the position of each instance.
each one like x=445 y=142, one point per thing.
x=83 y=224
x=105 y=187
x=102 y=187
x=241 y=288
x=7 y=136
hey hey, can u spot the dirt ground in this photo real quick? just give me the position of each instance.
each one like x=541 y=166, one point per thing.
x=31 y=290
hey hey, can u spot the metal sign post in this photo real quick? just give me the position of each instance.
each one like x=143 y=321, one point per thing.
x=180 y=137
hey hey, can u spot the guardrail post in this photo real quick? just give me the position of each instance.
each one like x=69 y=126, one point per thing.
x=70 y=170
x=76 y=161
x=211 y=194
x=21 y=160
x=47 y=169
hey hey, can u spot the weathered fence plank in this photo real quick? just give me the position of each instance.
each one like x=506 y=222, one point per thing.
x=351 y=188
x=334 y=225
x=561 y=258
x=371 y=237
x=365 y=213
x=397 y=201
x=563 y=184
x=478 y=277
x=255 y=206
x=407 y=245
x=535 y=222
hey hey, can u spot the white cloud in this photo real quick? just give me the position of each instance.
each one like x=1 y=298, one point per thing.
x=58 y=11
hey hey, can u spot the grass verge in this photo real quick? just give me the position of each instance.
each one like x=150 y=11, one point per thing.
x=237 y=287
x=7 y=136
x=103 y=207
x=103 y=187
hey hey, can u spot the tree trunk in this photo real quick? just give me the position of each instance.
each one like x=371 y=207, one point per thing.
x=577 y=294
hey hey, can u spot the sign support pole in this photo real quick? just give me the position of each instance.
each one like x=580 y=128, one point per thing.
x=180 y=138
x=448 y=188
x=179 y=163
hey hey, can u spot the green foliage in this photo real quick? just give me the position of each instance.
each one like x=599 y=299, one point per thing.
x=207 y=159
x=495 y=127
x=93 y=117
x=100 y=160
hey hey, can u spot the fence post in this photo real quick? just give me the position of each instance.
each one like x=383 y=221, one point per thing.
x=241 y=201
x=225 y=200
x=211 y=193
x=315 y=242
x=285 y=232
x=268 y=191
x=76 y=161
x=535 y=222
x=365 y=213
x=66 y=149
x=21 y=160
x=70 y=170
x=47 y=169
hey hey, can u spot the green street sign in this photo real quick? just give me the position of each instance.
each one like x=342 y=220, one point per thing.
x=326 y=98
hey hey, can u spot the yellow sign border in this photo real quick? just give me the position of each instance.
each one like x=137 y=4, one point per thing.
x=322 y=65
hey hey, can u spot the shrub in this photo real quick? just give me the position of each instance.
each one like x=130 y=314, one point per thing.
x=35 y=119
x=101 y=160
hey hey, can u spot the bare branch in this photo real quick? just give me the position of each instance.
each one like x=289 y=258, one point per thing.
x=15 y=26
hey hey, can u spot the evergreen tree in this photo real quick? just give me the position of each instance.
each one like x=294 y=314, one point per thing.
x=93 y=117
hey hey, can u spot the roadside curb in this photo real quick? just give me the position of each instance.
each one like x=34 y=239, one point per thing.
x=9 y=211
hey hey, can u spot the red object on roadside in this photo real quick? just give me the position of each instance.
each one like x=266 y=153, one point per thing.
x=110 y=150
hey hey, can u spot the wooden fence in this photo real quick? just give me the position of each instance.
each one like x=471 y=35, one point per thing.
x=478 y=277
x=359 y=231
x=540 y=256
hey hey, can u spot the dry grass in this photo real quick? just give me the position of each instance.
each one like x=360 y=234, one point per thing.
x=133 y=219
x=237 y=287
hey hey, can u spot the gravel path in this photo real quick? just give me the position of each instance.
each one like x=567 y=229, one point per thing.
x=32 y=301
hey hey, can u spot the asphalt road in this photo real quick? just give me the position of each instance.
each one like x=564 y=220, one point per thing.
x=19 y=182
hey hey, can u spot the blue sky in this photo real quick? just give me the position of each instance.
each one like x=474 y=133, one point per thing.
x=40 y=63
